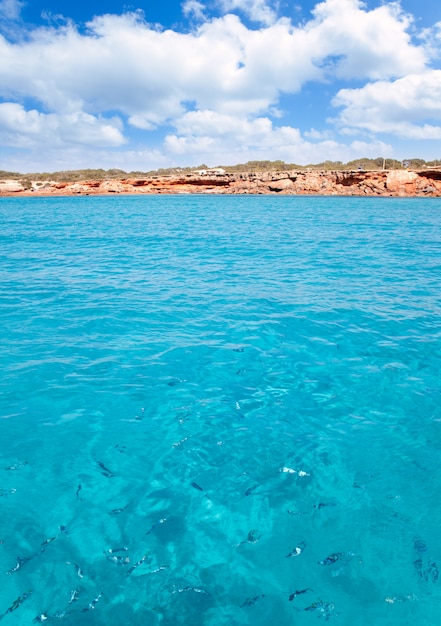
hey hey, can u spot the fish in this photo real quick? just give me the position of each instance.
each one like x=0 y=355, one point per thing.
x=156 y=524
x=60 y=614
x=113 y=550
x=105 y=470
x=20 y=562
x=194 y=589
x=290 y=470
x=252 y=536
x=251 y=601
x=298 y=593
x=77 y=567
x=113 y=557
x=118 y=559
x=250 y=490
x=137 y=564
x=321 y=505
x=287 y=470
x=77 y=493
x=418 y=565
x=159 y=569
x=431 y=572
x=117 y=511
x=137 y=417
x=92 y=604
x=420 y=546
x=325 y=608
x=332 y=558
x=45 y=543
x=179 y=443
x=45 y=616
x=17 y=603
x=196 y=486
x=16 y=466
x=401 y=598
x=74 y=596
x=298 y=550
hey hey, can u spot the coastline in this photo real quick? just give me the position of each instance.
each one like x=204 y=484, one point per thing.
x=400 y=183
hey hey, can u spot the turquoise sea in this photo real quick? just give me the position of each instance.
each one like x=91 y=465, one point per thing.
x=220 y=411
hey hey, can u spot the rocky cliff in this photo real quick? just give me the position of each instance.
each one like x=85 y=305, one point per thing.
x=343 y=183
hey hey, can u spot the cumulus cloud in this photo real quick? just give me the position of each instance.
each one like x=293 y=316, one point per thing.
x=10 y=9
x=23 y=129
x=408 y=107
x=123 y=64
x=228 y=140
x=194 y=8
x=351 y=42
x=431 y=40
x=217 y=87
x=256 y=10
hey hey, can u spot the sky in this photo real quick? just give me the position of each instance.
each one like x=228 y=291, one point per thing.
x=142 y=85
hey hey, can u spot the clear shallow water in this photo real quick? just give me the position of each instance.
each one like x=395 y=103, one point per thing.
x=213 y=384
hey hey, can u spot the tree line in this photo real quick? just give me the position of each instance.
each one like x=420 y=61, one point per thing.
x=363 y=164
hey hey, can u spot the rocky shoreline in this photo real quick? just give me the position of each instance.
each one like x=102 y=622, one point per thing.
x=401 y=183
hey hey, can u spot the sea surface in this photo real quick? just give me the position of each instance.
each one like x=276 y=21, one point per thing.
x=220 y=411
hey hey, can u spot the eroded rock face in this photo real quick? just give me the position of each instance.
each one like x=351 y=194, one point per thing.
x=112 y=186
x=359 y=183
x=10 y=187
x=401 y=182
x=285 y=184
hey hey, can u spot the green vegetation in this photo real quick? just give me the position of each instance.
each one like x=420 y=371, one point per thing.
x=77 y=175
x=261 y=166
x=252 y=166
x=10 y=175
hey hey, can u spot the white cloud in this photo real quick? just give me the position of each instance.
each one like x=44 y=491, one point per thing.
x=406 y=107
x=431 y=40
x=122 y=64
x=257 y=10
x=228 y=140
x=24 y=129
x=354 y=43
x=233 y=131
x=194 y=8
x=10 y=9
x=217 y=87
x=317 y=134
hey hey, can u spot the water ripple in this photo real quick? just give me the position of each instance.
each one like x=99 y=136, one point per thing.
x=194 y=388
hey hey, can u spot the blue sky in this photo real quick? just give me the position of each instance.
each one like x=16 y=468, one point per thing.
x=139 y=86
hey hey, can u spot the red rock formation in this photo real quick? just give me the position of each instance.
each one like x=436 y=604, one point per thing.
x=359 y=183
